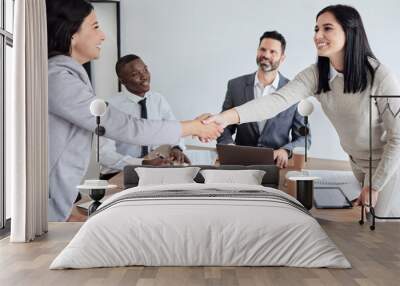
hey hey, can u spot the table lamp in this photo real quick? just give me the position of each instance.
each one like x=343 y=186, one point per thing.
x=97 y=187
x=305 y=108
x=98 y=108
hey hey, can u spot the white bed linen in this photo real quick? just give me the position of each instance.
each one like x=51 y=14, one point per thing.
x=206 y=231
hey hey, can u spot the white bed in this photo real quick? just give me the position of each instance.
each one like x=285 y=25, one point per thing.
x=220 y=225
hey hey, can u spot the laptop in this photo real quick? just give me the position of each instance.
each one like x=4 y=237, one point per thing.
x=245 y=155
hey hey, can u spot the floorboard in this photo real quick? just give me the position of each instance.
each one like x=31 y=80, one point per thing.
x=374 y=255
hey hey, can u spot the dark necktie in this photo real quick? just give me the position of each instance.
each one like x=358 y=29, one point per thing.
x=143 y=114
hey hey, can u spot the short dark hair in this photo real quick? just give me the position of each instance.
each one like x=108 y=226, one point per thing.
x=356 y=52
x=276 y=36
x=64 y=18
x=123 y=61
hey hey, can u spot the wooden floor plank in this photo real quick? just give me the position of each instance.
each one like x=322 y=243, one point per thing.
x=375 y=257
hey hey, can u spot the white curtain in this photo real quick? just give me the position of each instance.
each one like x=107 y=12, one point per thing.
x=26 y=123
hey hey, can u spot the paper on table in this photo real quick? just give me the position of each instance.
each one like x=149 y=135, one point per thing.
x=345 y=179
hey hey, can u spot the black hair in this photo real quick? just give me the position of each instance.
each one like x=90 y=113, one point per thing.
x=276 y=36
x=64 y=18
x=123 y=61
x=357 y=52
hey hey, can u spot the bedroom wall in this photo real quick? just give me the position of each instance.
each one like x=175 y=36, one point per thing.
x=103 y=68
x=194 y=47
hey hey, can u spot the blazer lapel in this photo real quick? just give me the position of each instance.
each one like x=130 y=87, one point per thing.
x=249 y=92
x=282 y=81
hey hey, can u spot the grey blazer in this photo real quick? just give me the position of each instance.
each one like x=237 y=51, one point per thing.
x=70 y=132
x=277 y=130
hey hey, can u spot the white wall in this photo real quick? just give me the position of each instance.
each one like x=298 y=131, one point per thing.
x=194 y=47
x=104 y=79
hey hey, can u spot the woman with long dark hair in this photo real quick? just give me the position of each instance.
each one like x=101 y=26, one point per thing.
x=74 y=38
x=345 y=75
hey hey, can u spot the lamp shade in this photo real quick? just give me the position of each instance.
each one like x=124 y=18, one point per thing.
x=98 y=107
x=305 y=107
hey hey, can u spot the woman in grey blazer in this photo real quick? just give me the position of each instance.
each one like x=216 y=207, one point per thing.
x=74 y=38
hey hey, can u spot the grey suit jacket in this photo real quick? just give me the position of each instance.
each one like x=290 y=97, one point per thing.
x=277 y=130
x=70 y=132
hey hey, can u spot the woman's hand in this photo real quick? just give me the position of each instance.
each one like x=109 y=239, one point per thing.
x=363 y=199
x=203 y=116
x=208 y=131
x=221 y=119
x=197 y=128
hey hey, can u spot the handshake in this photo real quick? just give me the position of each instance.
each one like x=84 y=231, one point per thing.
x=206 y=126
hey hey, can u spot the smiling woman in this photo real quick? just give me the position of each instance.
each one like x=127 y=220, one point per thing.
x=86 y=42
x=345 y=75
x=74 y=38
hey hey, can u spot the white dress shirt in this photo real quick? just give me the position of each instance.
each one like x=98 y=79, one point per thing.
x=114 y=155
x=333 y=73
x=261 y=91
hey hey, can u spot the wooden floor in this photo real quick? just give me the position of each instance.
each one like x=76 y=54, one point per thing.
x=374 y=255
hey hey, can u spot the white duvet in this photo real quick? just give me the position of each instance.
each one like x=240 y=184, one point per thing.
x=219 y=231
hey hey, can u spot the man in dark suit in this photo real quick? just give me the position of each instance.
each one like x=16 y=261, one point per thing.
x=280 y=132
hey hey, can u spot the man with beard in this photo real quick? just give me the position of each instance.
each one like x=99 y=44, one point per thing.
x=281 y=132
x=138 y=101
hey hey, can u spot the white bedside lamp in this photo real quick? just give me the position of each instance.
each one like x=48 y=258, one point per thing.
x=98 y=108
x=96 y=187
x=305 y=108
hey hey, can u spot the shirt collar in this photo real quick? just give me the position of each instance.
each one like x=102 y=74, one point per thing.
x=333 y=73
x=274 y=84
x=133 y=97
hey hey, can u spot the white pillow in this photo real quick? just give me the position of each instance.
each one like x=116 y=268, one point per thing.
x=164 y=176
x=248 y=177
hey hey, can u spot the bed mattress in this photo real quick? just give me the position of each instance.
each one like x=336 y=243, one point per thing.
x=201 y=225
